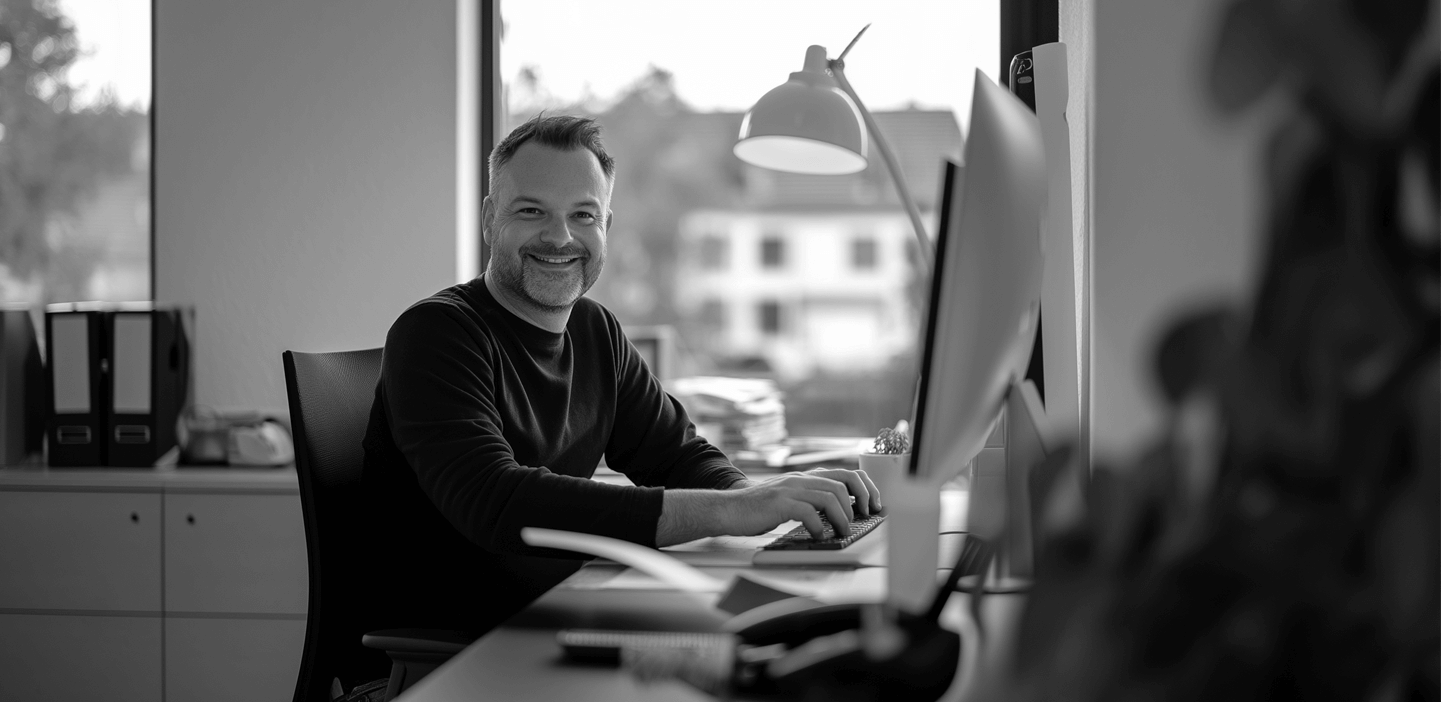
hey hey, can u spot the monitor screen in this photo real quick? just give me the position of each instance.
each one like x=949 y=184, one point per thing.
x=986 y=289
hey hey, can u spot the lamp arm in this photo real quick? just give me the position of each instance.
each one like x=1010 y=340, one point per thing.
x=924 y=247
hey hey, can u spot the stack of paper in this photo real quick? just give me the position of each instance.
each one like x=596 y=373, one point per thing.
x=738 y=415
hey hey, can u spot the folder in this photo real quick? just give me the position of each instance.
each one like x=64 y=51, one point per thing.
x=22 y=388
x=75 y=370
x=147 y=384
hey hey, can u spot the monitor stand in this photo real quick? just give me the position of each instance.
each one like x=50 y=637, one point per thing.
x=999 y=511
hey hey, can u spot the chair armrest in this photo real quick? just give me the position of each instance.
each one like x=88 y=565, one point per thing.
x=435 y=641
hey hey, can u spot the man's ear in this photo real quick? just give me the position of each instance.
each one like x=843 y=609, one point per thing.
x=487 y=219
x=609 y=219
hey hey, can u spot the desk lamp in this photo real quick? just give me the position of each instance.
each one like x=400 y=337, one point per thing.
x=807 y=125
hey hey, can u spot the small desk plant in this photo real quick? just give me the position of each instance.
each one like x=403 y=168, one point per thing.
x=1280 y=540
x=889 y=457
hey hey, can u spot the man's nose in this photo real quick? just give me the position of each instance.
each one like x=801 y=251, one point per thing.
x=556 y=231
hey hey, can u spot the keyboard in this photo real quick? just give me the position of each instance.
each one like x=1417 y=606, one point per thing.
x=799 y=539
x=604 y=646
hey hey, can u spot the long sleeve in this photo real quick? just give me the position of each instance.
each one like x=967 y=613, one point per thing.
x=653 y=441
x=449 y=393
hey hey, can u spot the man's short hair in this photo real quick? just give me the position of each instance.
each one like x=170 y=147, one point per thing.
x=563 y=132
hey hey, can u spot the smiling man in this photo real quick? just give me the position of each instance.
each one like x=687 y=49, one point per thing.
x=498 y=398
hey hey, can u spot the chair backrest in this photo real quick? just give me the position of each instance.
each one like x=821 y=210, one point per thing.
x=330 y=401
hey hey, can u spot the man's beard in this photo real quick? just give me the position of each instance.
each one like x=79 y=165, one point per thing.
x=551 y=291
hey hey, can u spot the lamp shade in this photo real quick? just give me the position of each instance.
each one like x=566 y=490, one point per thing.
x=805 y=125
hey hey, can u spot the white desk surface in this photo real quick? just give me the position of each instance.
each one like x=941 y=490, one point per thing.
x=522 y=661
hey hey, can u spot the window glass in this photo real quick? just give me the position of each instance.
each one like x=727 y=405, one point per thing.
x=863 y=253
x=699 y=234
x=773 y=252
x=769 y=315
x=74 y=150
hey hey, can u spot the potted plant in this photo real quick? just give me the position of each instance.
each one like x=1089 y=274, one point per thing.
x=889 y=457
x=1279 y=539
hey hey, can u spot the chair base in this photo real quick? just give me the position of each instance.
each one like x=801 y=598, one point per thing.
x=414 y=653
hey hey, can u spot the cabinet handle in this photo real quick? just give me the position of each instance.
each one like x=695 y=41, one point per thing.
x=189 y=519
x=135 y=518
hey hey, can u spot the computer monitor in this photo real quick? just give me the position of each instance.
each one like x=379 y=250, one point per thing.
x=657 y=345
x=986 y=288
x=981 y=325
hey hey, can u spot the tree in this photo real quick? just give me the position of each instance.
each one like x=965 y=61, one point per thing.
x=53 y=155
x=671 y=165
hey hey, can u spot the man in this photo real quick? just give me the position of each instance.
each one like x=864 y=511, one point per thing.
x=498 y=398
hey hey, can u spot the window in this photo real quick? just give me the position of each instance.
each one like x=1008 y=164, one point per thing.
x=687 y=209
x=75 y=95
x=773 y=252
x=713 y=315
x=714 y=252
x=863 y=253
x=768 y=315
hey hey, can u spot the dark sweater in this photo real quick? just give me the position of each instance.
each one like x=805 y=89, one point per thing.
x=484 y=423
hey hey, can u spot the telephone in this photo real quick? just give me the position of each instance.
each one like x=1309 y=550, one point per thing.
x=843 y=651
x=802 y=647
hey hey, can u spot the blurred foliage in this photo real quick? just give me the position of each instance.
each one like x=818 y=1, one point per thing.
x=1280 y=541
x=53 y=155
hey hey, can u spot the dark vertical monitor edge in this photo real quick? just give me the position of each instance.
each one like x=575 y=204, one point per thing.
x=948 y=190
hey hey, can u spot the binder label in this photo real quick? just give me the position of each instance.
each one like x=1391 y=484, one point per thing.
x=131 y=365
x=71 y=360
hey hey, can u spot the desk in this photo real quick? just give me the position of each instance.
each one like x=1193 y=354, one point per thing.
x=521 y=661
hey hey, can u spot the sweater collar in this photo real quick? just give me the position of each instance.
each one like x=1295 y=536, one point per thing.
x=529 y=334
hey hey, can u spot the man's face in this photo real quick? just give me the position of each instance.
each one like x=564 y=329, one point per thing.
x=546 y=225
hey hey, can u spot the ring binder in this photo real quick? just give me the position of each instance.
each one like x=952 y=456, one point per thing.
x=74 y=350
x=119 y=375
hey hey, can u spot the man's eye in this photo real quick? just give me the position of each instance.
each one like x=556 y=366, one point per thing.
x=529 y=210
x=586 y=215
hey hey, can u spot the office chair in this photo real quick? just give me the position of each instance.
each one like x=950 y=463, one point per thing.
x=330 y=398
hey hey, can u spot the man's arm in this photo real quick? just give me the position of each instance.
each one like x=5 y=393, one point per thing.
x=757 y=507
x=653 y=440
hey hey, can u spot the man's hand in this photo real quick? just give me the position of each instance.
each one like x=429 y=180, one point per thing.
x=753 y=508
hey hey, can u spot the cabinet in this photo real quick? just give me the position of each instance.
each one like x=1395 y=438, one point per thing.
x=232 y=660
x=170 y=585
x=80 y=551
x=79 y=657
x=224 y=551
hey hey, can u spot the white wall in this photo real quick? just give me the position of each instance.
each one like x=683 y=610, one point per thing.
x=305 y=176
x=1176 y=201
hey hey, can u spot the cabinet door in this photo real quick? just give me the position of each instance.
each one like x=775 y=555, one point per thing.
x=235 y=554
x=219 y=660
x=67 y=657
x=80 y=551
